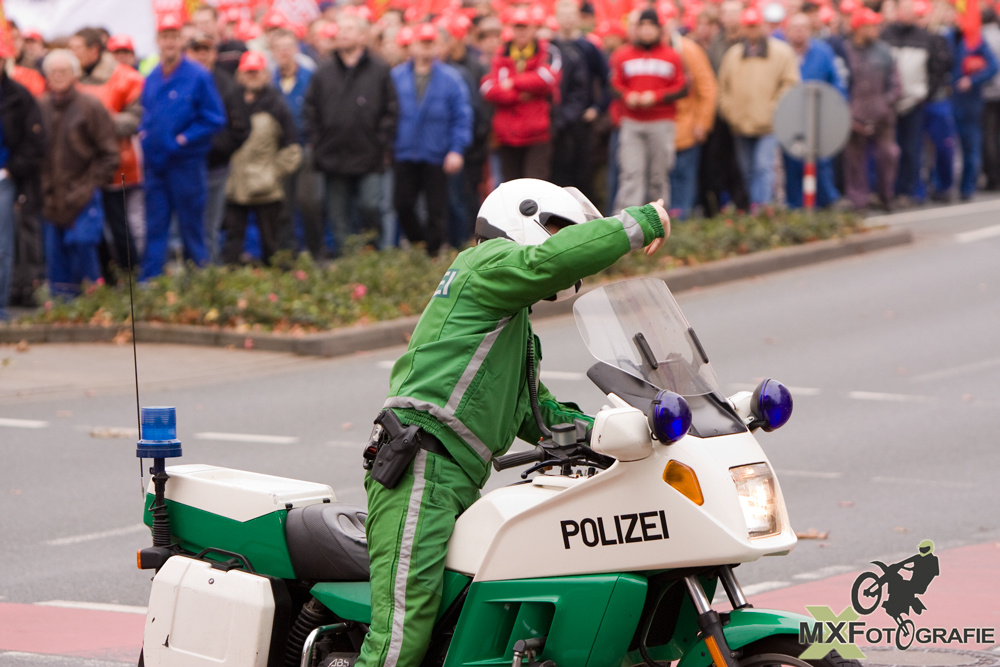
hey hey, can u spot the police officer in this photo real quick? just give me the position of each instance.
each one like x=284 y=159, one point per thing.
x=463 y=388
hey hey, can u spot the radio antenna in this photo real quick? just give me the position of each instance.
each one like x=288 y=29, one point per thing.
x=131 y=310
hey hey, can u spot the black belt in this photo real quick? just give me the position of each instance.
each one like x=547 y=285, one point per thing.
x=431 y=443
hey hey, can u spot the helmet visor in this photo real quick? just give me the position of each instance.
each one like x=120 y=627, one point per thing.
x=590 y=211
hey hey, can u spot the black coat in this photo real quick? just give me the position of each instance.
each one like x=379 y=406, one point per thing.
x=23 y=132
x=227 y=140
x=350 y=116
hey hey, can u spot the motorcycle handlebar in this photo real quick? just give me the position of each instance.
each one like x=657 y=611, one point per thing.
x=518 y=459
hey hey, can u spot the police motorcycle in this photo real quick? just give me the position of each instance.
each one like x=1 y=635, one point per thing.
x=608 y=553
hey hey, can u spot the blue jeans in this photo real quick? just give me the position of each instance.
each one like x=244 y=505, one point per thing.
x=215 y=209
x=684 y=181
x=71 y=252
x=910 y=137
x=346 y=195
x=756 y=157
x=826 y=191
x=968 y=119
x=939 y=126
x=176 y=188
x=8 y=193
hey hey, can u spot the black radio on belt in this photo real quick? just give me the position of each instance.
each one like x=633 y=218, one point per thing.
x=390 y=449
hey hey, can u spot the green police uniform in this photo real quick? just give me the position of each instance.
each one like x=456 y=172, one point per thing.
x=464 y=380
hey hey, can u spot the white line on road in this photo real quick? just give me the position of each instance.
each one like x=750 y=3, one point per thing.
x=823 y=572
x=248 y=437
x=892 y=398
x=922 y=482
x=94 y=606
x=941 y=213
x=387 y=364
x=763 y=587
x=89 y=537
x=22 y=423
x=562 y=375
x=978 y=234
x=814 y=474
x=958 y=370
x=23 y=658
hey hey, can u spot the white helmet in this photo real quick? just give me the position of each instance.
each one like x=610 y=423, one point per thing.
x=519 y=211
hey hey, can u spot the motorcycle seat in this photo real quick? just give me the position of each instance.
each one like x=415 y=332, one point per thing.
x=327 y=542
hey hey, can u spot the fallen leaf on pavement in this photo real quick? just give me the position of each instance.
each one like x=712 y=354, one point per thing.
x=107 y=432
x=845 y=503
x=22 y=346
x=812 y=534
x=901 y=529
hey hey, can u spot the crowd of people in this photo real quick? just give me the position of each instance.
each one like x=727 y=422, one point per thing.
x=397 y=126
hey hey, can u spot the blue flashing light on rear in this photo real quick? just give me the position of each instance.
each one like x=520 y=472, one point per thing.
x=771 y=404
x=159 y=433
x=669 y=417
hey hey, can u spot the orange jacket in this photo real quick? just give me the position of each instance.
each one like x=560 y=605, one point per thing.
x=30 y=79
x=119 y=88
x=698 y=107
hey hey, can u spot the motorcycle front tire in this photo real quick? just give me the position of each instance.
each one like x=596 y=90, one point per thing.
x=859 y=593
x=784 y=650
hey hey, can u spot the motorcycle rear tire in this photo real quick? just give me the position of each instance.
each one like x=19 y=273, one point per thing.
x=904 y=640
x=783 y=650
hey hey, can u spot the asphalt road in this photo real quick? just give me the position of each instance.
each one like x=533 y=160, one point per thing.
x=893 y=359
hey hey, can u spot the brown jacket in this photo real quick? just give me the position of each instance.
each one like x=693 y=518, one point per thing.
x=698 y=106
x=751 y=87
x=81 y=156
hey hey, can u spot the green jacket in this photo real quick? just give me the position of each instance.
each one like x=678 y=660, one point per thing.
x=464 y=376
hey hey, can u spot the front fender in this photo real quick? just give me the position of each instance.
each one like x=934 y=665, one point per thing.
x=746 y=626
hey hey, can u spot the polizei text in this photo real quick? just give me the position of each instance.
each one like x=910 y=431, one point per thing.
x=620 y=529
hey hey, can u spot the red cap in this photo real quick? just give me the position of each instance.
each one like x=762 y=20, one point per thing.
x=329 y=30
x=538 y=15
x=921 y=8
x=667 y=11
x=274 y=20
x=865 y=16
x=826 y=14
x=606 y=28
x=246 y=30
x=848 y=7
x=231 y=15
x=405 y=36
x=252 y=61
x=32 y=33
x=751 y=16
x=457 y=24
x=520 y=16
x=426 y=32
x=169 y=21
x=120 y=43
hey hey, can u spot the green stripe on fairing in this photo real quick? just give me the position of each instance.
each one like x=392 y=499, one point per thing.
x=261 y=540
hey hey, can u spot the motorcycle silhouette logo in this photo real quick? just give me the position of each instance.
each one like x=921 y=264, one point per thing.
x=899 y=584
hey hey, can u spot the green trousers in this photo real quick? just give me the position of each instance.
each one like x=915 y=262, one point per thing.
x=408 y=531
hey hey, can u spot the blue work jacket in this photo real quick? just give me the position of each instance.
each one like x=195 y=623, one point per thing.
x=296 y=98
x=185 y=103
x=819 y=64
x=440 y=123
x=980 y=65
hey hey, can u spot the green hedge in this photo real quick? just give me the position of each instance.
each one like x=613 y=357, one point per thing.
x=366 y=286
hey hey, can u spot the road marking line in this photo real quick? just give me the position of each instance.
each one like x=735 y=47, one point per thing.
x=823 y=572
x=89 y=537
x=22 y=423
x=562 y=375
x=46 y=659
x=958 y=370
x=940 y=213
x=386 y=364
x=922 y=482
x=764 y=586
x=248 y=437
x=815 y=474
x=978 y=234
x=94 y=606
x=893 y=398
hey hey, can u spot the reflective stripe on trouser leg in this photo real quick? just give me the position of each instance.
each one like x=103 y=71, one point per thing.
x=408 y=531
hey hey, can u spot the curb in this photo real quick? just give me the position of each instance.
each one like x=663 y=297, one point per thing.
x=379 y=335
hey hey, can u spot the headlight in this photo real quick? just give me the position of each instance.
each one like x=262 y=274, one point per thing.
x=755 y=488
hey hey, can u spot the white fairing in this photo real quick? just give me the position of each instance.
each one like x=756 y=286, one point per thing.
x=238 y=494
x=623 y=519
x=622 y=433
x=202 y=616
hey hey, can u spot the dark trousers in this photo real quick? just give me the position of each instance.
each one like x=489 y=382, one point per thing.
x=910 y=138
x=571 y=157
x=534 y=161
x=272 y=218
x=413 y=178
x=119 y=249
x=719 y=173
x=991 y=144
x=886 y=152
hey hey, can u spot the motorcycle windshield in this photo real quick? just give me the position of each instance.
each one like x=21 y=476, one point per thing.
x=637 y=327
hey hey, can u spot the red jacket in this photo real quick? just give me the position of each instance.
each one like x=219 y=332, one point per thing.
x=659 y=69
x=524 y=106
x=119 y=88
